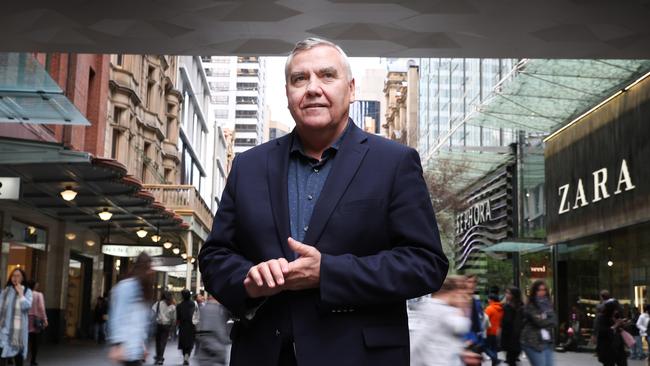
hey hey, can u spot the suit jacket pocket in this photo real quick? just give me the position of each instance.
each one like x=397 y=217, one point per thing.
x=389 y=336
x=363 y=205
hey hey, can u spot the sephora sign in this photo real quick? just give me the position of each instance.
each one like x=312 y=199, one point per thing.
x=597 y=173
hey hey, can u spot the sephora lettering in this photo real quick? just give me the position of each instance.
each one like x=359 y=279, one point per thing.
x=475 y=215
x=600 y=192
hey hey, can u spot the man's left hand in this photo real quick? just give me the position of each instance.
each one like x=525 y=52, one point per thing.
x=304 y=272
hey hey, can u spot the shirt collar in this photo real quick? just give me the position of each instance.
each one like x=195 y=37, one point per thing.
x=296 y=144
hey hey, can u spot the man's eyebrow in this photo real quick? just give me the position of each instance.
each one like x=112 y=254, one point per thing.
x=296 y=73
x=328 y=70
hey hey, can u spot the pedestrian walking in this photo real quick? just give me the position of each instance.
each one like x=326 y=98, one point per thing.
x=15 y=302
x=439 y=340
x=642 y=324
x=610 y=345
x=186 y=318
x=511 y=325
x=538 y=322
x=37 y=321
x=494 y=313
x=213 y=333
x=636 y=351
x=165 y=315
x=129 y=319
x=100 y=317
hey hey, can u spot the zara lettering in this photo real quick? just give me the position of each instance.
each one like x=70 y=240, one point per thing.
x=600 y=189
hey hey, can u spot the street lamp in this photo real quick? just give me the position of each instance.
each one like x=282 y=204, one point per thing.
x=70 y=236
x=68 y=194
x=90 y=243
x=141 y=233
x=105 y=215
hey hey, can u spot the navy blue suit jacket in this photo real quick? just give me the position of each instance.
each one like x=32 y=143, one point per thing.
x=376 y=230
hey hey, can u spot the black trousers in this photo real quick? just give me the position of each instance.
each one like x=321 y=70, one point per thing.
x=132 y=363
x=18 y=360
x=619 y=361
x=162 y=335
x=511 y=357
x=287 y=355
x=34 y=340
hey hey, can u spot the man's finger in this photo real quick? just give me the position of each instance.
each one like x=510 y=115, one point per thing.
x=276 y=271
x=254 y=274
x=298 y=247
x=266 y=274
x=284 y=265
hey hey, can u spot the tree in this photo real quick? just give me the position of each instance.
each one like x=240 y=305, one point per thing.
x=442 y=182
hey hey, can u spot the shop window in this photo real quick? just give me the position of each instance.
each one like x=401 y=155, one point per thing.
x=27 y=248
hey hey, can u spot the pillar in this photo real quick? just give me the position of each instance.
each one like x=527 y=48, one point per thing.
x=188 y=260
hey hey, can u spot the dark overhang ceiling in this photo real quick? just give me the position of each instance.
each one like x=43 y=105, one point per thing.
x=391 y=28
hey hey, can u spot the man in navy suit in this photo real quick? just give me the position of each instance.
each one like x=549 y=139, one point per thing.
x=322 y=235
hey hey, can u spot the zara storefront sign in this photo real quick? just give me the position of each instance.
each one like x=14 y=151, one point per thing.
x=477 y=214
x=131 y=251
x=574 y=197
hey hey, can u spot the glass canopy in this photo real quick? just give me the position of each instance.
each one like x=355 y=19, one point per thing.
x=29 y=95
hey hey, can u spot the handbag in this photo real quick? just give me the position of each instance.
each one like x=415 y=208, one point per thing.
x=628 y=339
x=39 y=324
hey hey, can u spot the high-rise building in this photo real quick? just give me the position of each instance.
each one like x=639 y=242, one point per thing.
x=368 y=110
x=238 y=97
x=450 y=89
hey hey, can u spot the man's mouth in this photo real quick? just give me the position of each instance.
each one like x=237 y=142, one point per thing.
x=315 y=105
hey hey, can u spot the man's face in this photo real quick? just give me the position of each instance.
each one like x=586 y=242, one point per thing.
x=318 y=90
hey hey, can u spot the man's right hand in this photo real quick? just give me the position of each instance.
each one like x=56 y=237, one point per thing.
x=266 y=278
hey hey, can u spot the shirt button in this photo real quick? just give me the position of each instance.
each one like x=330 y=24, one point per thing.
x=277 y=333
x=315 y=170
x=310 y=197
x=306 y=228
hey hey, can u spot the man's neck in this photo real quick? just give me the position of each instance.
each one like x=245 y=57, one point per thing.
x=315 y=142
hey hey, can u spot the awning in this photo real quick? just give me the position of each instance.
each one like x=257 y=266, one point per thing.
x=29 y=95
x=46 y=169
x=514 y=247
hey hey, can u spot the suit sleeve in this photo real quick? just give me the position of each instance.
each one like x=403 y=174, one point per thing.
x=414 y=266
x=223 y=268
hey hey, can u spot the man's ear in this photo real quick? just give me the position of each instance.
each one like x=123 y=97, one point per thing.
x=352 y=90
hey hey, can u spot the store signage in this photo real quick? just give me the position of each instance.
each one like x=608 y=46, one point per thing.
x=131 y=251
x=577 y=196
x=9 y=188
x=596 y=173
x=537 y=271
x=477 y=214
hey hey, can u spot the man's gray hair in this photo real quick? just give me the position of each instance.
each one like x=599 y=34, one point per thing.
x=310 y=43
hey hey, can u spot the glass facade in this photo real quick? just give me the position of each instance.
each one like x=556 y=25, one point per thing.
x=365 y=112
x=451 y=89
x=618 y=261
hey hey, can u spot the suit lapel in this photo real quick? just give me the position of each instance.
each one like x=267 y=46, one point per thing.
x=346 y=164
x=277 y=165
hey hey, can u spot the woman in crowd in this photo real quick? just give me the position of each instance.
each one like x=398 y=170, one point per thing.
x=37 y=320
x=15 y=302
x=538 y=322
x=439 y=340
x=186 y=318
x=511 y=325
x=610 y=346
x=129 y=319
x=165 y=313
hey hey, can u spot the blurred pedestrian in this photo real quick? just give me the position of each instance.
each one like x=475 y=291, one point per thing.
x=186 y=318
x=100 y=317
x=604 y=296
x=129 y=320
x=642 y=324
x=538 y=323
x=213 y=333
x=636 y=351
x=15 y=302
x=439 y=341
x=165 y=315
x=610 y=345
x=37 y=320
x=494 y=313
x=511 y=325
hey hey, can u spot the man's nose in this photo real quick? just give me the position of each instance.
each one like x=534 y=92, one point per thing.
x=314 y=86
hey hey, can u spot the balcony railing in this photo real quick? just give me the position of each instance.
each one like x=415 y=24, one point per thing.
x=184 y=199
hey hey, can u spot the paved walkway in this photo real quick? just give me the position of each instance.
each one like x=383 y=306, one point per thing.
x=81 y=353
